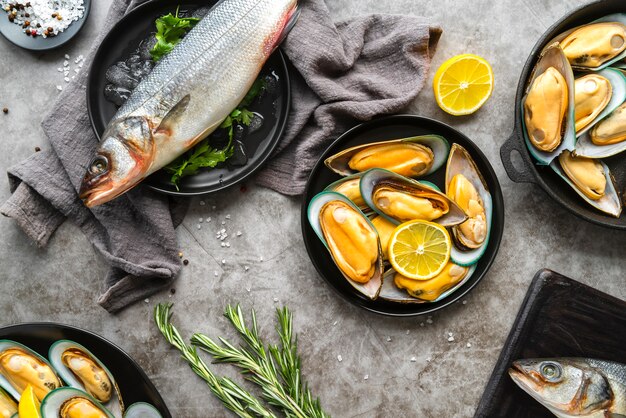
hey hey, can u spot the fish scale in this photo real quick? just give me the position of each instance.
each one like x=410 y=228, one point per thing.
x=188 y=94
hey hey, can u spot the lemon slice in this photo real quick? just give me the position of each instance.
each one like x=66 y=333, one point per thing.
x=463 y=84
x=29 y=404
x=419 y=250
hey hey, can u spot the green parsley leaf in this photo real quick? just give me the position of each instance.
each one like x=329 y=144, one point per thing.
x=170 y=31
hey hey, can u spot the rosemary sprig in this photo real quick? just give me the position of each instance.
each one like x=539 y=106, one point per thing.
x=255 y=362
x=276 y=370
x=228 y=392
x=289 y=365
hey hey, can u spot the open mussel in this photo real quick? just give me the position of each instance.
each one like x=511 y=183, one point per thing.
x=411 y=157
x=548 y=106
x=351 y=240
x=591 y=179
x=349 y=187
x=21 y=366
x=81 y=369
x=612 y=129
x=596 y=45
x=385 y=229
x=8 y=406
x=68 y=402
x=397 y=288
x=466 y=186
x=400 y=199
x=592 y=94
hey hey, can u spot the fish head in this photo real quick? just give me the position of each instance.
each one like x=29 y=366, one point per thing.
x=121 y=161
x=568 y=387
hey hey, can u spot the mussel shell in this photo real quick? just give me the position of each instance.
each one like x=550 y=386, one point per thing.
x=54 y=401
x=615 y=17
x=4 y=383
x=374 y=177
x=115 y=404
x=332 y=187
x=438 y=144
x=461 y=162
x=8 y=406
x=552 y=56
x=142 y=410
x=610 y=203
x=618 y=84
x=392 y=293
x=372 y=287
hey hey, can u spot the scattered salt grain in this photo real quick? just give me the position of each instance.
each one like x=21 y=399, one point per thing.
x=239 y=233
x=367 y=376
x=223 y=261
x=200 y=220
x=388 y=339
x=223 y=222
x=421 y=324
x=261 y=259
x=413 y=359
x=429 y=320
x=147 y=300
x=208 y=219
x=339 y=358
x=215 y=273
x=246 y=268
x=67 y=57
x=227 y=216
x=60 y=69
x=67 y=79
x=450 y=339
x=275 y=299
x=199 y=226
x=223 y=244
x=469 y=345
x=66 y=63
x=408 y=332
x=60 y=88
x=334 y=323
x=202 y=203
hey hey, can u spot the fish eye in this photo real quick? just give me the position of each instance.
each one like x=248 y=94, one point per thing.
x=551 y=371
x=98 y=165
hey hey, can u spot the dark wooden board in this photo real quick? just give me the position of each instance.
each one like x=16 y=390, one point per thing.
x=559 y=317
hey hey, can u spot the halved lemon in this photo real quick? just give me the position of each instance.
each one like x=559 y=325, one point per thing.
x=419 y=250
x=29 y=404
x=463 y=84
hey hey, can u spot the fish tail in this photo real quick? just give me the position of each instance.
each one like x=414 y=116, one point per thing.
x=289 y=22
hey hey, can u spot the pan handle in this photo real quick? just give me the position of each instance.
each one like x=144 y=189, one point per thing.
x=511 y=145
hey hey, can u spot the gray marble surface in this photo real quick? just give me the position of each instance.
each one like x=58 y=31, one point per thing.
x=61 y=282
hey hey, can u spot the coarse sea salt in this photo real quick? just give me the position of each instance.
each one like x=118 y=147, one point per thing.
x=38 y=16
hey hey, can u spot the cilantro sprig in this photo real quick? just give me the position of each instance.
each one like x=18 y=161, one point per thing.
x=170 y=31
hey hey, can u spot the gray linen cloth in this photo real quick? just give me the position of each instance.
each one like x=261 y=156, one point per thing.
x=351 y=71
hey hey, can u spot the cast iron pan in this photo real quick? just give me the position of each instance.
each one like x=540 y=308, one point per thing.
x=13 y=33
x=559 y=317
x=543 y=176
x=124 y=39
x=394 y=127
x=134 y=384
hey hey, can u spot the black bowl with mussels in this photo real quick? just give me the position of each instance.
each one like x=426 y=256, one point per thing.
x=124 y=58
x=388 y=173
x=579 y=163
x=73 y=370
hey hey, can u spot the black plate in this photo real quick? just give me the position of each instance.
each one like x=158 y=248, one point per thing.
x=544 y=176
x=125 y=37
x=559 y=317
x=13 y=33
x=133 y=382
x=394 y=127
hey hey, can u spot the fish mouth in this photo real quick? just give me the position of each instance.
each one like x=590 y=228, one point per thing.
x=522 y=378
x=94 y=196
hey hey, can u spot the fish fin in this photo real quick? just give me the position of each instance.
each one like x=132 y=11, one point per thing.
x=170 y=119
x=290 y=22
